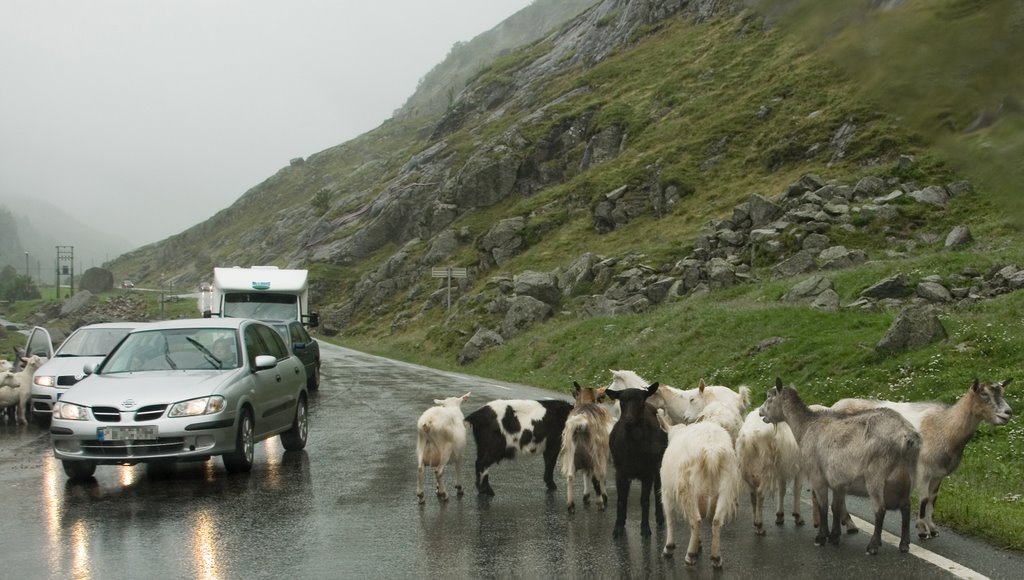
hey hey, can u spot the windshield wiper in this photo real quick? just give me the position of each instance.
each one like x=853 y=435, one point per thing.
x=206 y=353
x=167 y=356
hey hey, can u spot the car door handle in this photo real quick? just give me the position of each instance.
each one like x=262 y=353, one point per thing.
x=277 y=378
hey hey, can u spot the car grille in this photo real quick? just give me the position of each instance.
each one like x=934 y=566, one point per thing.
x=66 y=380
x=112 y=415
x=162 y=446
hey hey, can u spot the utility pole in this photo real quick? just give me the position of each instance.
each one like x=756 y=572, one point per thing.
x=28 y=277
x=65 y=266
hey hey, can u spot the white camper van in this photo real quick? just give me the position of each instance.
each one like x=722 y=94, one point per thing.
x=260 y=292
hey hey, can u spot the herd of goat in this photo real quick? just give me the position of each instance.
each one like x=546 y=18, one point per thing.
x=696 y=449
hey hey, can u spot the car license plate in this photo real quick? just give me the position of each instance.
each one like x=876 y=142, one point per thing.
x=126 y=433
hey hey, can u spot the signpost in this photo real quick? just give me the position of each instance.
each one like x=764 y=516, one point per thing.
x=449 y=273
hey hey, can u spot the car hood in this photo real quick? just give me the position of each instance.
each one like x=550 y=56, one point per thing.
x=149 y=387
x=67 y=365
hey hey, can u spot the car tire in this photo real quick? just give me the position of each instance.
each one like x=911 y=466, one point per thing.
x=42 y=419
x=296 y=437
x=313 y=382
x=240 y=460
x=79 y=470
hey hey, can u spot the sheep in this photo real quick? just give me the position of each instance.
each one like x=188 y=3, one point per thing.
x=585 y=446
x=769 y=458
x=505 y=428
x=945 y=430
x=637 y=444
x=700 y=477
x=872 y=453
x=15 y=387
x=685 y=406
x=440 y=439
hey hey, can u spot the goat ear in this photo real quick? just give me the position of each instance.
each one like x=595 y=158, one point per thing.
x=778 y=383
x=438 y=401
x=663 y=420
x=1006 y=382
x=700 y=386
x=577 y=388
x=652 y=388
x=601 y=393
x=614 y=394
x=975 y=386
x=465 y=397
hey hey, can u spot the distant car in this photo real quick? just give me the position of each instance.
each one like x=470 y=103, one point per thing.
x=85 y=346
x=304 y=347
x=206 y=287
x=184 y=390
x=127 y=284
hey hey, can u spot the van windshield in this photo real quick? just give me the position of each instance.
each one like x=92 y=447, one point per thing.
x=261 y=306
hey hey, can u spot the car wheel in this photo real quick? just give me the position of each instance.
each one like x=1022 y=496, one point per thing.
x=313 y=382
x=42 y=419
x=240 y=460
x=79 y=470
x=295 y=438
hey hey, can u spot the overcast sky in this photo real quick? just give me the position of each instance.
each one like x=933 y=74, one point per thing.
x=156 y=114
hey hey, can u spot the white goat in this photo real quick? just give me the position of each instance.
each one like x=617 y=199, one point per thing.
x=15 y=388
x=440 y=439
x=870 y=454
x=700 y=478
x=945 y=430
x=585 y=446
x=769 y=458
x=686 y=406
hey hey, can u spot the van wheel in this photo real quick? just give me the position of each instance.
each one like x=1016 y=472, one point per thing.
x=240 y=460
x=313 y=382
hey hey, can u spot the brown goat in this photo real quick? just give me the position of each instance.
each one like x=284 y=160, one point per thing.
x=585 y=445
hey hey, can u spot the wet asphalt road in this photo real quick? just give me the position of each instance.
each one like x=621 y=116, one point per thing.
x=345 y=507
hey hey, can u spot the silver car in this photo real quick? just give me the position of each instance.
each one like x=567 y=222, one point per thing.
x=85 y=346
x=184 y=390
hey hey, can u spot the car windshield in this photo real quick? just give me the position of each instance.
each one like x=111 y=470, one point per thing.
x=260 y=305
x=175 y=349
x=92 y=342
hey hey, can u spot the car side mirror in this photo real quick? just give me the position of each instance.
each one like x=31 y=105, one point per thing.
x=313 y=319
x=265 y=361
x=89 y=369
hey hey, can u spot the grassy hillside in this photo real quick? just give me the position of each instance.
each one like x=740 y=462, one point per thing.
x=691 y=97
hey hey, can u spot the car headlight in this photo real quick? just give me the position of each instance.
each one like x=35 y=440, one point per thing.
x=201 y=406
x=44 y=381
x=70 y=411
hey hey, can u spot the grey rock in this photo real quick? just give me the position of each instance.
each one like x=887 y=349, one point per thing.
x=97 y=280
x=540 y=285
x=959 y=236
x=523 y=312
x=481 y=341
x=827 y=300
x=933 y=195
x=815 y=242
x=82 y=300
x=808 y=290
x=799 y=263
x=578 y=273
x=838 y=257
x=915 y=327
x=869 y=186
x=502 y=242
x=933 y=292
x=895 y=286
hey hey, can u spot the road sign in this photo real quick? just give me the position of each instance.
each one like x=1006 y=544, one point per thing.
x=449 y=273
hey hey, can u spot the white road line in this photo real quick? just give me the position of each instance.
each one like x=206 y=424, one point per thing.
x=932 y=558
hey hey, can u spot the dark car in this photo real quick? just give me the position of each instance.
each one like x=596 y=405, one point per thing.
x=303 y=346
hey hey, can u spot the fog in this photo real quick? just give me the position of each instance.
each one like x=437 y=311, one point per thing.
x=150 y=116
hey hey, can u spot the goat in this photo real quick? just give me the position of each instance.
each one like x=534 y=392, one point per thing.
x=440 y=439
x=585 y=446
x=505 y=428
x=769 y=458
x=15 y=387
x=872 y=453
x=685 y=406
x=637 y=445
x=700 y=478
x=945 y=431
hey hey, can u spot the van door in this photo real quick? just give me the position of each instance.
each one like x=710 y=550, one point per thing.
x=39 y=343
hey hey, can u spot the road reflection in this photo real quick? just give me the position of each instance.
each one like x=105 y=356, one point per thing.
x=205 y=547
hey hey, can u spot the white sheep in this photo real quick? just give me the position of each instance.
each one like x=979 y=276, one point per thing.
x=869 y=454
x=945 y=430
x=440 y=439
x=769 y=459
x=700 y=478
x=15 y=388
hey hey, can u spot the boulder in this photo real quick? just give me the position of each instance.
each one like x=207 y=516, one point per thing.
x=502 y=242
x=540 y=285
x=933 y=292
x=933 y=195
x=827 y=300
x=838 y=257
x=799 y=263
x=959 y=236
x=82 y=300
x=97 y=280
x=895 y=286
x=481 y=341
x=915 y=327
x=578 y=273
x=523 y=312
x=808 y=290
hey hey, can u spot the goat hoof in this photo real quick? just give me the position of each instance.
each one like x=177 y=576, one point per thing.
x=669 y=549
x=798 y=519
x=419 y=499
x=572 y=508
x=934 y=534
x=442 y=496
x=872 y=550
x=586 y=499
x=716 y=561
x=690 y=559
x=780 y=518
x=904 y=547
x=459 y=491
x=853 y=530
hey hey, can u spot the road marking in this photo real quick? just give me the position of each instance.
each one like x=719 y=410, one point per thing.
x=932 y=558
